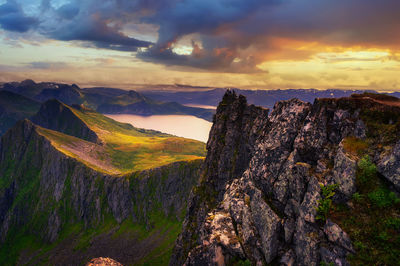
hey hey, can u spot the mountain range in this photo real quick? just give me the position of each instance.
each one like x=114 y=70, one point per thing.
x=265 y=98
x=104 y=100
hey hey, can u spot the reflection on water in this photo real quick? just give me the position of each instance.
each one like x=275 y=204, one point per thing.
x=186 y=126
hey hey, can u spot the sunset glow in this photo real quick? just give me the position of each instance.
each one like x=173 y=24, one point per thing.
x=251 y=44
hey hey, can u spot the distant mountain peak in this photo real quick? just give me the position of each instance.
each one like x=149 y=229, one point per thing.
x=27 y=82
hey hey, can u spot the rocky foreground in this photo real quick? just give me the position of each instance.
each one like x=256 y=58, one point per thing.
x=268 y=176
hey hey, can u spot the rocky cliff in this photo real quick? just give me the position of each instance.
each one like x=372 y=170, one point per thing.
x=281 y=188
x=44 y=193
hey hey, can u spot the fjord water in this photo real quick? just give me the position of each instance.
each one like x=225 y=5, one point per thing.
x=201 y=106
x=186 y=126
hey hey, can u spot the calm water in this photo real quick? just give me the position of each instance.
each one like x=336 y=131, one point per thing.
x=186 y=126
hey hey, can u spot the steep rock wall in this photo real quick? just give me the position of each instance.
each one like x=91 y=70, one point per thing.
x=258 y=197
x=42 y=190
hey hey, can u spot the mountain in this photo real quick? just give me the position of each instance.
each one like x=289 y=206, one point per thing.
x=264 y=98
x=135 y=103
x=107 y=145
x=304 y=184
x=65 y=199
x=14 y=107
x=63 y=92
x=104 y=100
x=55 y=115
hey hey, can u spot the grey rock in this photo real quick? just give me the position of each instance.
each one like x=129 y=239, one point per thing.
x=344 y=174
x=306 y=241
x=288 y=259
x=336 y=235
x=328 y=257
x=268 y=225
x=389 y=166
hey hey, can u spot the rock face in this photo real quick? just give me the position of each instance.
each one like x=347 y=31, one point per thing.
x=389 y=166
x=258 y=195
x=54 y=115
x=42 y=189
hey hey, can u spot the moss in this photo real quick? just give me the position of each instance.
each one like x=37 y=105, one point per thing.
x=355 y=146
x=372 y=223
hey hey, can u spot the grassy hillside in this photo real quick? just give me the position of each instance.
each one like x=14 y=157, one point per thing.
x=14 y=107
x=124 y=148
x=63 y=213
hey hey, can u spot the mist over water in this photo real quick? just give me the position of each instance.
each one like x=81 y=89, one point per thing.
x=186 y=126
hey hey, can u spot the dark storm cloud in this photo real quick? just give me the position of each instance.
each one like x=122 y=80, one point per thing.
x=68 y=11
x=12 y=18
x=204 y=17
x=94 y=29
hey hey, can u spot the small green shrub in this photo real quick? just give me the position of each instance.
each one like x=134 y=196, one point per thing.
x=367 y=169
x=383 y=197
x=325 y=203
x=323 y=263
x=359 y=245
x=393 y=222
x=383 y=236
x=357 y=197
x=244 y=263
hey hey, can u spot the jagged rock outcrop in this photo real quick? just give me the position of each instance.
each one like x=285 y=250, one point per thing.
x=257 y=199
x=389 y=166
x=42 y=189
x=55 y=115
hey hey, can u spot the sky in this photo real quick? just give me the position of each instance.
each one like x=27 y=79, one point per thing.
x=256 y=44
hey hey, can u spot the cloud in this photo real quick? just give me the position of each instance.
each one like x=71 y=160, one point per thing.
x=228 y=35
x=95 y=30
x=12 y=18
x=68 y=11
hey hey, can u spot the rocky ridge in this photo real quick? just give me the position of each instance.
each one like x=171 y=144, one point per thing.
x=264 y=174
x=42 y=190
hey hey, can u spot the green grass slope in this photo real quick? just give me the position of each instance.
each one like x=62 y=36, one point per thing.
x=123 y=148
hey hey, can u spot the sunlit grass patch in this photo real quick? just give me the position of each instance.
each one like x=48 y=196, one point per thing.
x=355 y=146
x=124 y=148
